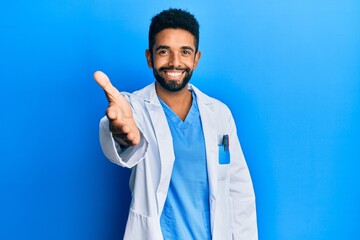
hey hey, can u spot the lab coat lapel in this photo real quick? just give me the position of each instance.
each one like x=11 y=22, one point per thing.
x=164 y=139
x=209 y=125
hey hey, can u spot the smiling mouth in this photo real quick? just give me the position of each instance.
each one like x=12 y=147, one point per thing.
x=174 y=74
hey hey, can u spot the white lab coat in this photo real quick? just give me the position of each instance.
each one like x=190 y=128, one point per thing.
x=231 y=197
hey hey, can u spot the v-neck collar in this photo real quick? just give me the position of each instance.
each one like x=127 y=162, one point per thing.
x=175 y=119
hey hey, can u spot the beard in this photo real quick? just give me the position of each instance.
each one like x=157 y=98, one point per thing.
x=172 y=86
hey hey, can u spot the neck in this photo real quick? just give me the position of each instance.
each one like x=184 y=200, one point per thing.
x=180 y=102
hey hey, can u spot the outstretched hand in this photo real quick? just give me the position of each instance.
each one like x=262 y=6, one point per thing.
x=119 y=113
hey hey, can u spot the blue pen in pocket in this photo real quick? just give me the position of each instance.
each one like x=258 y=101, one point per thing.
x=224 y=153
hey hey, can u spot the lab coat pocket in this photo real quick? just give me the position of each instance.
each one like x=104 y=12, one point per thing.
x=138 y=221
x=223 y=163
x=224 y=155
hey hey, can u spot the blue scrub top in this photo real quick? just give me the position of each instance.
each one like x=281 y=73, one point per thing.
x=186 y=213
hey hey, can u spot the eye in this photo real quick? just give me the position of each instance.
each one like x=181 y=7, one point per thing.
x=163 y=52
x=186 y=52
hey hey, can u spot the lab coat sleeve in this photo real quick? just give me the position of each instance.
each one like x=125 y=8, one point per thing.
x=242 y=196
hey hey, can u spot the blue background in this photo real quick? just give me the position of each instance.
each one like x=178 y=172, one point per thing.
x=289 y=70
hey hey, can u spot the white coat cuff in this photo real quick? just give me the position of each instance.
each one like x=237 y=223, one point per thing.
x=126 y=157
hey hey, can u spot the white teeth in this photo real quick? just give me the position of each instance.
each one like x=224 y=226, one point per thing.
x=174 y=74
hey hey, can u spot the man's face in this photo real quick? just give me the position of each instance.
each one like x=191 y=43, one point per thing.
x=173 y=58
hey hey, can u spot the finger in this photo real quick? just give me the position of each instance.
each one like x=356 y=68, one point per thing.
x=121 y=141
x=119 y=129
x=112 y=114
x=103 y=80
x=126 y=139
x=133 y=139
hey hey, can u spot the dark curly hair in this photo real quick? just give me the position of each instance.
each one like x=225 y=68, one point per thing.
x=176 y=19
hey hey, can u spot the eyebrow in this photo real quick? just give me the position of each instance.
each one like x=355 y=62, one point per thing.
x=162 y=47
x=167 y=47
x=187 y=48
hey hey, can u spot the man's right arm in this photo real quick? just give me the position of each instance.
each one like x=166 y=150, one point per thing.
x=121 y=121
x=120 y=137
x=123 y=156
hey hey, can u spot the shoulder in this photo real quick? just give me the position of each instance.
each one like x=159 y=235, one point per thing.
x=147 y=93
x=213 y=104
x=139 y=97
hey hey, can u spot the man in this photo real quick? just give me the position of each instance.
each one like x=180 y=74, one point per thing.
x=189 y=177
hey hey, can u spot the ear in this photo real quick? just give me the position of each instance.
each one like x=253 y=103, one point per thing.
x=149 y=58
x=197 y=58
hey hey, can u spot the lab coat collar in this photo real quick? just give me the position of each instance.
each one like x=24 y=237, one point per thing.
x=208 y=121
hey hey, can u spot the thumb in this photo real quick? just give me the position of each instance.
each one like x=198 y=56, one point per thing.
x=104 y=82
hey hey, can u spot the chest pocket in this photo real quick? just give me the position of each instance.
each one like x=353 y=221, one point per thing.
x=223 y=156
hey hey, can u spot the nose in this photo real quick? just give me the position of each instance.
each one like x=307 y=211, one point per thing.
x=174 y=60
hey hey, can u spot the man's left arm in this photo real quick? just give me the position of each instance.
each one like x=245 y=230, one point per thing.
x=242 y=196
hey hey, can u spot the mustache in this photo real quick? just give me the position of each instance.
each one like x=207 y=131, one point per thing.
x=173 y=68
